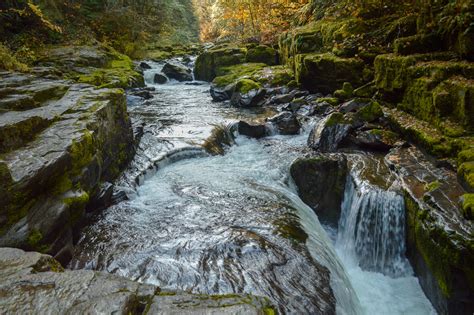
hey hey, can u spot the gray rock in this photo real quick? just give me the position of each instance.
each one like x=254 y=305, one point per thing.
x=328 y=134
x=177 y=72
x=144 y=65
x=285 y=123
x=32 y=283
x=221 y=94
x=321 y=180
x=252 y=131
x=159 y=79
x=439 y=238
x=353 y=105
x=251 y=99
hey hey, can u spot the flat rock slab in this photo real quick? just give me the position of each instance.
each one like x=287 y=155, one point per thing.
x=33 y=283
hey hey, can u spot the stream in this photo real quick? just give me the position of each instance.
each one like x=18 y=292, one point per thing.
x=234 y=223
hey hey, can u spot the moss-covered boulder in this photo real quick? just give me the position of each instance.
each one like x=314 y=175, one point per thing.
x=321 y=180
x=209 y=63
x=232 y=74
x=326 y=73
x=262 y=54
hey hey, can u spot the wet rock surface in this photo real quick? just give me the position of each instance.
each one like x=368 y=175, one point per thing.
x=56 y=152
x=36 y=283
x=321 y=180
x=177 y=71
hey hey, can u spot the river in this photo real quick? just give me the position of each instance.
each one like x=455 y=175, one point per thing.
x=234 y=223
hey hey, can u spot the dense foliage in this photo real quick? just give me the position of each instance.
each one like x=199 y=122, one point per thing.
x=126 y=25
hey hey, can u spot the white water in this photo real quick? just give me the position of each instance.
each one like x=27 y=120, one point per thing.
x=208 y=224
x=371 y=245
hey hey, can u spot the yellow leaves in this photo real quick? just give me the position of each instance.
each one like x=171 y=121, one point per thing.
x=39 y=14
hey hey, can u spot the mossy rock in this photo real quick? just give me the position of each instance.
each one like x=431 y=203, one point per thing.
x=466 y=174
x=468 y=206
x=344 y=93
x=244 y=86
x=326 y=73
x=417 y=44
x=231 y=74
x=370 y=113
x=210 y=63
x=262 y=54
x=274 y=76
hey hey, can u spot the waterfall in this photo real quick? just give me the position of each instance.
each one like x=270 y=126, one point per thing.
x=371 y=230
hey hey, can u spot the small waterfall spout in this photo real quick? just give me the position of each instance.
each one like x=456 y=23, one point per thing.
x=371 y=230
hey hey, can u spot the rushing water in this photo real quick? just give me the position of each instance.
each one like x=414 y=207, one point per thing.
x=233 y=223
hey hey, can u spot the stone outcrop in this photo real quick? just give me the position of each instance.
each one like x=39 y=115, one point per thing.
x=34 y=283
x=321 y=180
x=439 y=237
x=60 y=141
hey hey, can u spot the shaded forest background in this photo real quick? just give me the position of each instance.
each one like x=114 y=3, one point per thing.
x=132 y=26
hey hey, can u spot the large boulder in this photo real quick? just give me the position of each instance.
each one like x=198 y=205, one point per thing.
x=177 y=72
x=211 y=61
x=262 y=54
x=33 y=283
x=326 y=72
x=159 y=78
x=321 y=181
x=252 y=131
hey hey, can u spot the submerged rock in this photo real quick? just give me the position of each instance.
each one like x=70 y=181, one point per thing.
x=321 y=180
x=177 y=72
x=32 y=283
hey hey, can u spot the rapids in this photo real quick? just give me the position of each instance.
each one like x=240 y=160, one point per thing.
x=234 y=223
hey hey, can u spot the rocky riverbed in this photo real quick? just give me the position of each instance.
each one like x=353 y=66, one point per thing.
x=259 y=184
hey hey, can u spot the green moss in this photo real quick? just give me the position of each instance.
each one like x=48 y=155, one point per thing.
x=344 y=93
x=432 y=186
x=246 y=85
x=82 y=152
x=34 y=238
x=466 y=156
x=326 y=72
x=336 y=118
x=262 y=54
x=231 y=74
x=118 y=73
x=331 y=100
x=269 y=311
x=468 y=206
x=63 y=184
x=9 y=62
x=370 y=113
x=466 y=174
x=274 y=76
